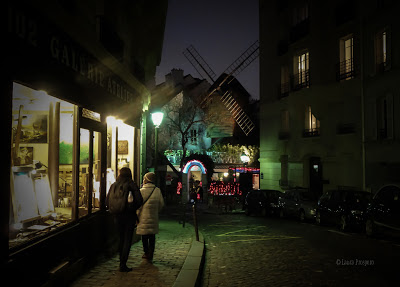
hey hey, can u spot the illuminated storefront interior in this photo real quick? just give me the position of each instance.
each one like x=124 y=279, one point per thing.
x=45 y=193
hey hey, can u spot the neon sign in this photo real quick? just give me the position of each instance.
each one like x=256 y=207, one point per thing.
x=192 y=163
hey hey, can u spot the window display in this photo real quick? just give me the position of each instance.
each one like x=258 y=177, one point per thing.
x=120 y=148
x=42 y=166
x=89 y=171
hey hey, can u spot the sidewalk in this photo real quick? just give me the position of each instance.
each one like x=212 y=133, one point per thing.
x=173 y=245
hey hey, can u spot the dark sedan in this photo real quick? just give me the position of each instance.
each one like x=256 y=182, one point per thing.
x=383 y=214
x=345 y=208
x=299 y=203
x=263 y=202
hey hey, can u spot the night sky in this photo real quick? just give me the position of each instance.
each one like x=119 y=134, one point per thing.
x=220 y=30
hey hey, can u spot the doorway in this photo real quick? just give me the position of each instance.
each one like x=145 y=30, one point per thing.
x=91 y=167
x=316 y=176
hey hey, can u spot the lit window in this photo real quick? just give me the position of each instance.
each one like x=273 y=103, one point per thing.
x=301 y=71
x=312 y=124
x=381 y=50
x=302 y=62
x=348 y=54
x=384 y=48
x=346 y=65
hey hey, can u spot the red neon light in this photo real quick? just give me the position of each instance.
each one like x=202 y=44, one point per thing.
x=179 y=188
x=221 y=188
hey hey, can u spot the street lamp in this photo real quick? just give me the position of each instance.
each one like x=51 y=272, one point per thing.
x=156 y=118
x=244 y=158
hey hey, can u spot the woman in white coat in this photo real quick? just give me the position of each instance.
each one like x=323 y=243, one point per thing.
x=148 y=214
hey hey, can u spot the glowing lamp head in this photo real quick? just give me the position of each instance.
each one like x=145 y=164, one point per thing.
x=244 y=158
x=157 y=118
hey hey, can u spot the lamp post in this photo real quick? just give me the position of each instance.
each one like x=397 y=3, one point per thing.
x=244 y=158
x=156 y=118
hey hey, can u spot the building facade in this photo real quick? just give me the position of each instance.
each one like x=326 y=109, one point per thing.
x=75 y=96
x=328 y=94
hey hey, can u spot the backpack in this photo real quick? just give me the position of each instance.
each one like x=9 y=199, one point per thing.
x=118 y=198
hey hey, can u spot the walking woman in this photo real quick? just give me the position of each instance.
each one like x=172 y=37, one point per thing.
x=123 y=199
x=153 y=202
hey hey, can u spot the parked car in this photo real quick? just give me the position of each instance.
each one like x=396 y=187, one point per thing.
x=298 y=202
x=383 y=214
x=263 y=202
x=345 y=208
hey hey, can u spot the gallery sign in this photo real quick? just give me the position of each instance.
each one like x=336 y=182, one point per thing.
x=59 y=46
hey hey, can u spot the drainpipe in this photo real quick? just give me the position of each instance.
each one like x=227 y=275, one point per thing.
x=363 y=153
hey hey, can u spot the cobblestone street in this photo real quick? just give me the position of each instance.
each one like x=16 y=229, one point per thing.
x=256 y=251
x=172 y=246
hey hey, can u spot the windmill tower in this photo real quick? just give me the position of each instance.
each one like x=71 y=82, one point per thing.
x=221 y=85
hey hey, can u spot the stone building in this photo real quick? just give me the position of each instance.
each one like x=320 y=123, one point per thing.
x=329 y=95
x=74 y=103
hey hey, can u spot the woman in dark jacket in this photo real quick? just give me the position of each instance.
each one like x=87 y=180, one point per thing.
x=125 y=218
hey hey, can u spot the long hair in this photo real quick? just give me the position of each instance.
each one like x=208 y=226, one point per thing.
x=124 y=174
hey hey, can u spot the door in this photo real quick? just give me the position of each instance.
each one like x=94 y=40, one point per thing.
x=316 y=176
x=90 y=171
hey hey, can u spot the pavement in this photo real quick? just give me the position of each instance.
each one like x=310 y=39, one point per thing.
x=270 y=251
x=178 y=259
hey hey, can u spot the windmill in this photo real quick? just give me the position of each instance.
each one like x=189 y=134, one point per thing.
x=221 y=85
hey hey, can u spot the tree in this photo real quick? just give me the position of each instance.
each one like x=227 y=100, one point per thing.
x=182 y=114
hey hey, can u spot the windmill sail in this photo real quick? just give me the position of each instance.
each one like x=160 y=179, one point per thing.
x=242 y=119
x=199 y=64
x=222 y=85
x=244 y=60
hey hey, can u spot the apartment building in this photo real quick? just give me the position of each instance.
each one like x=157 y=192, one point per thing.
x=329 y=95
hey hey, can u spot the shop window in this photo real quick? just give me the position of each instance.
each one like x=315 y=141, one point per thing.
x=41 y=170
x=126 y=136
x=120 y=149
x=89 y=172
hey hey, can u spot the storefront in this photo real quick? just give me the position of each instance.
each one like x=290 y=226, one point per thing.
x=72 y=123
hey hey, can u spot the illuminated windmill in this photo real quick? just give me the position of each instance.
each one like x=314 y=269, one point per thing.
x=221 y=85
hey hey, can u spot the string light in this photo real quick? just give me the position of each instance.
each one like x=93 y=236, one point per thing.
x=222 y=188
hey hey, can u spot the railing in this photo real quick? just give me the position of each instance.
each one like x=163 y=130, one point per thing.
x=311 y=133
x=301 y=80
x=284 y=90
x=345 y=70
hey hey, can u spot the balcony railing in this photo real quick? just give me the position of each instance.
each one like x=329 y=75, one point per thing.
x=284 y=90
x=311 y=133
x=301 y=80
x=297 y=82
x=345 y=70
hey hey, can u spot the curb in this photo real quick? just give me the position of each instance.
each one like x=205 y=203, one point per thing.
x=190 y=274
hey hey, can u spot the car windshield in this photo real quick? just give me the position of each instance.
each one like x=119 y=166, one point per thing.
x=357 y=197
x=271 y=194
x=307 y=196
